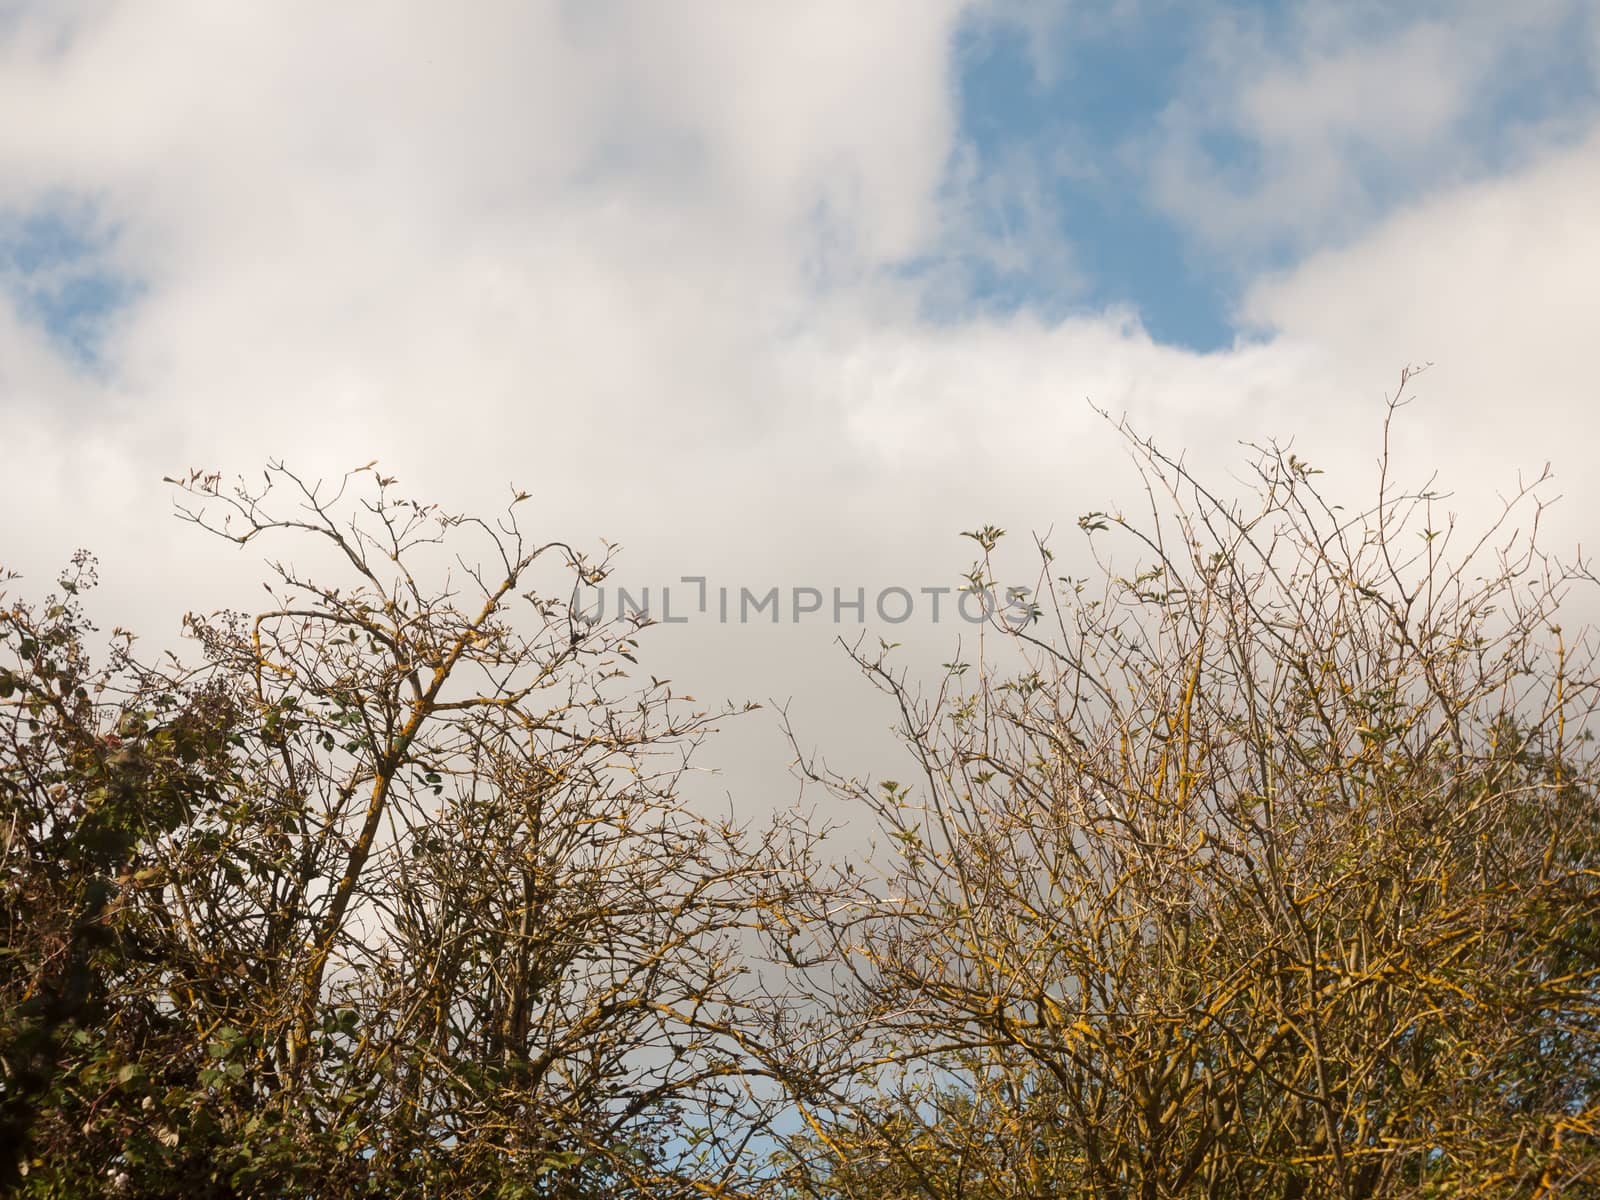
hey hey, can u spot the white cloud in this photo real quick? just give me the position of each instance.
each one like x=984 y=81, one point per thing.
x=1303 y=137
x=631 y=257
x=352 y=220
x=1497 y=283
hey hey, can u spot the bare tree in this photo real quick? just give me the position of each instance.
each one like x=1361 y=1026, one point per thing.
x=1270 y=871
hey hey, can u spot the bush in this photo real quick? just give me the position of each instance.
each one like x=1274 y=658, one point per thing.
x=1271 y=871
x=394 y=891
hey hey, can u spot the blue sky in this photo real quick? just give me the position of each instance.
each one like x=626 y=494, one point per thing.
x=1085 y=105
x=55 y=264
x=1077 y=120
x=1049 y=185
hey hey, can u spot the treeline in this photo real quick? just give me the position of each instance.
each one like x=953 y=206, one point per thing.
x=1267 y=868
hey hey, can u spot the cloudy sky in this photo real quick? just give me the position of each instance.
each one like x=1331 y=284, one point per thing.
x=778 y=294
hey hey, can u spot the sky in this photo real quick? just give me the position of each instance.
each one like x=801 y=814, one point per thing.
x=777 y=294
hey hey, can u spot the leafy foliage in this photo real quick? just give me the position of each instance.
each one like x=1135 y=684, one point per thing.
x=394 y=891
